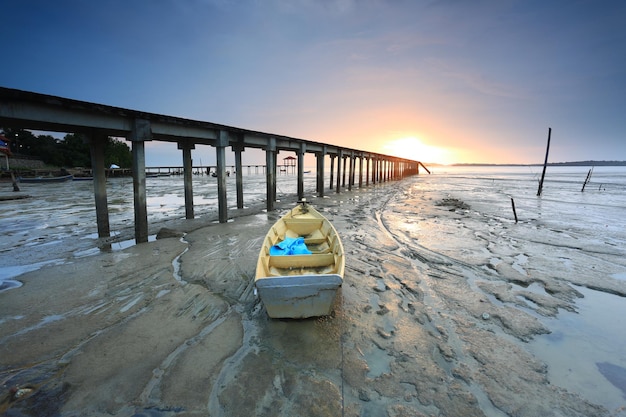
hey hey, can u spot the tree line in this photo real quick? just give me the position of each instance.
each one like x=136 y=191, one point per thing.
x=70 y=152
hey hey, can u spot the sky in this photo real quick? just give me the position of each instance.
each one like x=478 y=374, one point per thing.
x=440 y=81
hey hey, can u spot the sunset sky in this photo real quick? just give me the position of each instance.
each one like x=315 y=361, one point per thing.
x=443 y=81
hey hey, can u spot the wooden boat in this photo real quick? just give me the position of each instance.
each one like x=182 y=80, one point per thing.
x=62 y=178
x=300 y=285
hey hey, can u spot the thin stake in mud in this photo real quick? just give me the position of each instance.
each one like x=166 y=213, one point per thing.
x=545 y=163
x=587 y=179
x=16 y=188
x=514 y=212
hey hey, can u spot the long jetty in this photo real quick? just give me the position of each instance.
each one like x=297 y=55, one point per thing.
x=96 y=122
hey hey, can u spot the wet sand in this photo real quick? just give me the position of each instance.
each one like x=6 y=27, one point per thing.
x=173 y=327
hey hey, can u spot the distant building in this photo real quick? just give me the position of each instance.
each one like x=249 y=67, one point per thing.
x=288 y=162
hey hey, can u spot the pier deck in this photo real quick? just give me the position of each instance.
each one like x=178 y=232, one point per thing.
x=96 y=122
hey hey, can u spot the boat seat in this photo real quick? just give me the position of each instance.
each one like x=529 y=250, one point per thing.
x=302 y=261
x=303 y=227
x=315 y=240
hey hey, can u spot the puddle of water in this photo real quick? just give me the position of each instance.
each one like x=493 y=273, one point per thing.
x=583 y=346
x=536 y=288
x=8 y=284
x=378 y=362
x=11 y=271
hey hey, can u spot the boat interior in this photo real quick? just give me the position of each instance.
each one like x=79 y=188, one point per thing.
x=320 y=239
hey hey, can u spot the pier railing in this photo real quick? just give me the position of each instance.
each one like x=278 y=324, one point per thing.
x=96 y=122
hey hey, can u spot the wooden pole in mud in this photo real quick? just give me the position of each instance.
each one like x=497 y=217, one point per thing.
x=514 y=212
x=545 y=163
x=586 y=180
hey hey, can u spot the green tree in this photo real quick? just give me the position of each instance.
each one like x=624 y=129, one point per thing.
x=117 y=152
x=49 y=150
x=75 y=151
x=69 y=152
x=21 y=141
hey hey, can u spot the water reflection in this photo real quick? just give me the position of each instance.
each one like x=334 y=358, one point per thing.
x=585 y=349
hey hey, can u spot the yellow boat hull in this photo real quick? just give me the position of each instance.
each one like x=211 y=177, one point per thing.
x=301 y=286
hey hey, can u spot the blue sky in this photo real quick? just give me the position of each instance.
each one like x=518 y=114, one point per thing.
x=440 y=81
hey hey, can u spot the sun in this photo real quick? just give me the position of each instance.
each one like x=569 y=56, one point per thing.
x=413 y=148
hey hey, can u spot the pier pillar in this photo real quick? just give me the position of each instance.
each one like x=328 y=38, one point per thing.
x=220 y=152
x=339 y=159
x=367 y=171
x=187 y=177
x=351 y=171
x=140 y=133
x=384 y=169
x=270 y=163
x=301 y=152
x=320 y=172
x=353 y=163
x=343 y=177
x=381 y=170
x=374 y=170
x=332 y=171
x=96 y=147
x=374 y=167
x=239 y=174
x=361 y=170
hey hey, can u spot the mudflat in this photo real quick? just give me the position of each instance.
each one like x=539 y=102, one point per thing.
x=426 y=323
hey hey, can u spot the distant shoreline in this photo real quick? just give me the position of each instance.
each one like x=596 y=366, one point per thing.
x=565 y=164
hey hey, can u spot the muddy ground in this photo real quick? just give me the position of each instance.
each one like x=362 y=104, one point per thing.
x=173 y=327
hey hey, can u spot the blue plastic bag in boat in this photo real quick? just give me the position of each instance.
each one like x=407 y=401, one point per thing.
x=290 y=246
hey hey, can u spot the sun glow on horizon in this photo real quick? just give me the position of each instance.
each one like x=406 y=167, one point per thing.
x=413 y=148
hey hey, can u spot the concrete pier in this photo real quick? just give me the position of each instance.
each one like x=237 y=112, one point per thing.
x=29 y=110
